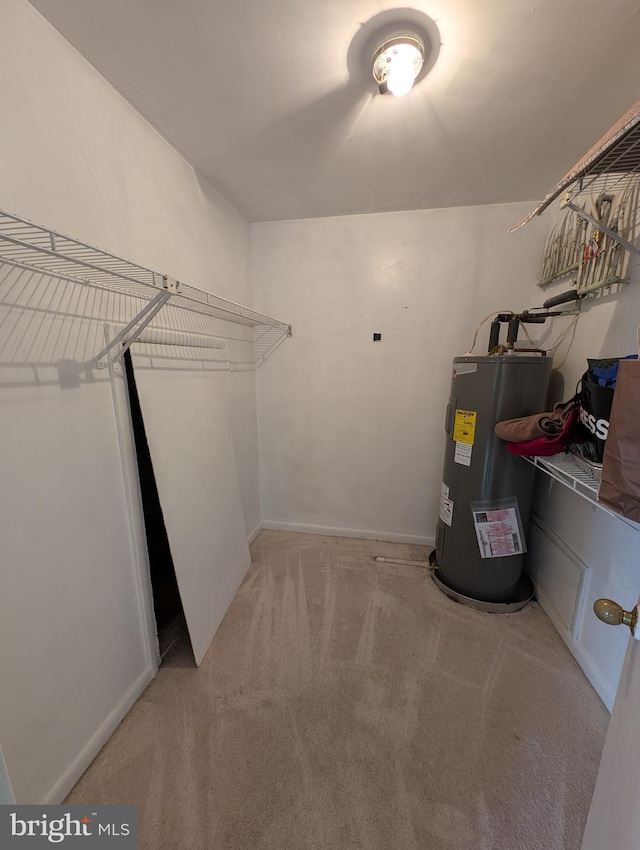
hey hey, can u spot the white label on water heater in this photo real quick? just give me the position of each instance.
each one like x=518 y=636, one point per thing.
x=446 y=509
x=464 y=369
x=463 y=454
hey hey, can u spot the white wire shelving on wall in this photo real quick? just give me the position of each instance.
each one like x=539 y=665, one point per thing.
x=603 y=191
x=58 y=293
x=564 y=469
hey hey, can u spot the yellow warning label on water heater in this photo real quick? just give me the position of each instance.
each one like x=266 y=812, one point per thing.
x=464 y=431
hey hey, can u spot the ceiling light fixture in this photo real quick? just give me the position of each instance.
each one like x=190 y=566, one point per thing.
x=397 y=63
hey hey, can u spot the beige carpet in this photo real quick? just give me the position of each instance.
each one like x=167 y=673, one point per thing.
x=346 y=704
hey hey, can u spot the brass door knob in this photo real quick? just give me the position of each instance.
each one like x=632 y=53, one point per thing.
x=614 y=615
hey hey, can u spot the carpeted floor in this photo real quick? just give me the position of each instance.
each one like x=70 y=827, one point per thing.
x=348 y=704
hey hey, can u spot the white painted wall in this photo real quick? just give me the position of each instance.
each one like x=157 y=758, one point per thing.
x=351 y=431
x=76 y=157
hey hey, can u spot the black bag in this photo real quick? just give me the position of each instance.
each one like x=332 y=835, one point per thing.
x=596 y=398
x=595 y=410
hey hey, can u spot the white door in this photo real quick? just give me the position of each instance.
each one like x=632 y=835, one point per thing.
x=187 y=417
x=614 y=817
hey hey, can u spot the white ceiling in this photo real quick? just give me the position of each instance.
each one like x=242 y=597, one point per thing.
x=274 y=103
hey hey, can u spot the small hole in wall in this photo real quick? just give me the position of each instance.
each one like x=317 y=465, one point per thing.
x=377 y=337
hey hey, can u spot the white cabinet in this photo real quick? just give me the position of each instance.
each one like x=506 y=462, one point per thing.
x=557 y=574
x=578 y=553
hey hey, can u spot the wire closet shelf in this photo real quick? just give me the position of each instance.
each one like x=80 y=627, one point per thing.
x=567 y=470
x=194 y=317
x=612 y=163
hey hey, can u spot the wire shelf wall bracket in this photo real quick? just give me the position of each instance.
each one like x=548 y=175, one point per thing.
x=129 y=297
x=569 y=202
x=128 y=335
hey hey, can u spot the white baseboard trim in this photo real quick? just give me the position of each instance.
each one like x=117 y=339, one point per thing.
x=604 y=691
x=600 y=686
x=256 y=531
x=62 y=786
x=358 y=533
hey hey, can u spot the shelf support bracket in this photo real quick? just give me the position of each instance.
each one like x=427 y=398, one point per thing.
x=603 y=227
x=130 y=332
